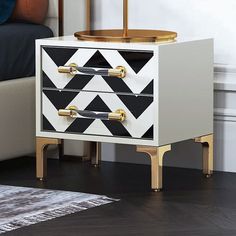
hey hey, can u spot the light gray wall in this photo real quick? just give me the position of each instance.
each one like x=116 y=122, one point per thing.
x=74 y=16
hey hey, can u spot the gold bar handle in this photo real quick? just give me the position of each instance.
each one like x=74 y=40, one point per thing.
x=73 y=69
x=67 y=113
x=118 y=115
x=70 y=69
x=119 y=72
x=72 y=111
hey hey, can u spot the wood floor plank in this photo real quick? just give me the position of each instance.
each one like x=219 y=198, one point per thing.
x=189 y=204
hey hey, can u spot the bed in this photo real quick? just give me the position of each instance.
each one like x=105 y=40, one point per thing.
x=17 y=83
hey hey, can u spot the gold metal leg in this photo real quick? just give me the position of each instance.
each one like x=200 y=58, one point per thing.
x=207 y=144
x=94 y=153
x=156 y=154
x=41 y=159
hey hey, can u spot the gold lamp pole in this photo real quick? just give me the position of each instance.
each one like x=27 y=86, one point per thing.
x=124 y=35
x=125 y=18
x=88 y=12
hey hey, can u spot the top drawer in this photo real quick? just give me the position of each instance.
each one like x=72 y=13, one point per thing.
x=140 y=66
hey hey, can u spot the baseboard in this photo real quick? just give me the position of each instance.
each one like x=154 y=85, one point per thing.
x=225 y=77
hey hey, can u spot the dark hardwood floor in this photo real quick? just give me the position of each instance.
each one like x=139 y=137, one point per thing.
x=189 y=205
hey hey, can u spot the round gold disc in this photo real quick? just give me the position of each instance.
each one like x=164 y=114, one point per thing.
x=132 y=35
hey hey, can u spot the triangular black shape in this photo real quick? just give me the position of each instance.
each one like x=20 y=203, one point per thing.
x=98 y=105
x=60 y=99
x=149 y=133
x=47 y=83
x=47 y=125
x=79 y=81
x=60 y=55
x=136 y=59
x=117 y=85
x=136 y=104
x=79 y=125
x=116 y=128
x=97 y=61
x=148 y=89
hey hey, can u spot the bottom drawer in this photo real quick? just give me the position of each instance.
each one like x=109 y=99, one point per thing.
x=96 y=114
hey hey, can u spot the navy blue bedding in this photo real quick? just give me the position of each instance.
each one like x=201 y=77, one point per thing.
x=6 y=9
x=17 y=49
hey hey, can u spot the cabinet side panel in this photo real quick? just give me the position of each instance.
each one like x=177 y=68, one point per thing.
x=185 y=90
x=38 y=87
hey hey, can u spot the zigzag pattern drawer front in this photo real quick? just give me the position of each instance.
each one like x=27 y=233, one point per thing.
x=140 y=66
x=139 y=110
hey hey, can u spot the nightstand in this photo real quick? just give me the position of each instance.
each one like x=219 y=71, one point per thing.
x=145 y=94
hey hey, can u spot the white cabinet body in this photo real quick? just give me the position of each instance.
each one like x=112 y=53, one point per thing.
x=167 y=93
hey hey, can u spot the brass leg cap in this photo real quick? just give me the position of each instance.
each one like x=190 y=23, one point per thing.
x=41 y=179
x=157 y=190
x=96 y=166
x=208 y=176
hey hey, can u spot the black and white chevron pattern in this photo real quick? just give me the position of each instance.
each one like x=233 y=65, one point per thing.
x=139 y=110
x=134 y=93
x=139 y=64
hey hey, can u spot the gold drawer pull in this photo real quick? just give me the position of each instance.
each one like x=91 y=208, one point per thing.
x=118 y=115
x=119 y=72
x=66 y=112
x=72 y=112
x=73 y=69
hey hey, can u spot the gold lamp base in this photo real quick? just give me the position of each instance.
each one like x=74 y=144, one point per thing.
x=132 y=35
x=124 y=35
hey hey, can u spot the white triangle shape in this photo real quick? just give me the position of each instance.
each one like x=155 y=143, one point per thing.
x=98 y=128
x=97 y=83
